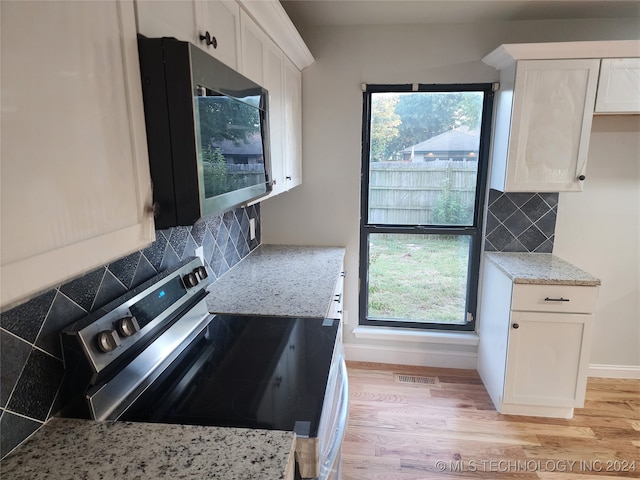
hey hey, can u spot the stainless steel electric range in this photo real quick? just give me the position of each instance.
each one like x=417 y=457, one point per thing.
x=157 y=355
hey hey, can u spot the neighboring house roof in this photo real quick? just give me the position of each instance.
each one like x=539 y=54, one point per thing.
x=456 y=140
x=252 y=147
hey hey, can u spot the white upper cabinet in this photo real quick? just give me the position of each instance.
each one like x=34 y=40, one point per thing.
x=293 y=124
x=544 y=109
x=76 y=189
x=211 y=25
x=619 y=86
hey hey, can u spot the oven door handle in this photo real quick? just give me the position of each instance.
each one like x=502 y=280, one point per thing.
x=327 y=465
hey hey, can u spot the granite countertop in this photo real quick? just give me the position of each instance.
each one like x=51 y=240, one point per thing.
x=279 y=280
x=70 y=448
x=540 y=269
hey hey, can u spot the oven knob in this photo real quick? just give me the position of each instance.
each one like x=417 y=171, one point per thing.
x=108 y=340
x=190 y=280
x=127 y=326
x=202 y=272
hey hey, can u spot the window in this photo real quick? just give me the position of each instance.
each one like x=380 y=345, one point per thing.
x=424 y=168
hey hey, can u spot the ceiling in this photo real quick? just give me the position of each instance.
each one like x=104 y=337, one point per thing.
x=390 y=12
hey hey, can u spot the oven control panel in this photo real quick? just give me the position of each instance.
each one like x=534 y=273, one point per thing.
x=153 y=304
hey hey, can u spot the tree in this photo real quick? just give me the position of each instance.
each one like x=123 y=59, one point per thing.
x=224 y=118
x=423 y=115
x=384 y=125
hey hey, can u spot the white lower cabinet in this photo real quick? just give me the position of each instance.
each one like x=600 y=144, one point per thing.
x=534 y=347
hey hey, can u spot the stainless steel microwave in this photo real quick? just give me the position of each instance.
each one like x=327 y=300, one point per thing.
x=207 y=132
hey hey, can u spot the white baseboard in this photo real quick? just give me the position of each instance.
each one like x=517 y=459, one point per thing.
x=410 y=356
x=614 y=371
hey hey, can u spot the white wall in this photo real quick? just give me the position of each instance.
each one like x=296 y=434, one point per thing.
x=324 y=210
x=599 y=230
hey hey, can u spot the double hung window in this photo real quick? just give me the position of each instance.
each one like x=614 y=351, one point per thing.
x=424 y=167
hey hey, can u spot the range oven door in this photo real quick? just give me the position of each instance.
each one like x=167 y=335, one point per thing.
x=332 y=429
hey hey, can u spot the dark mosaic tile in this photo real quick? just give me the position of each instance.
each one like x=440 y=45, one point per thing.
x=231 y=255
x=532 y=238
x=520 y=198
x=63 y=313
x=535 y=208
x=546 y=247
x=500 y=238
x=14 y=430
x=213 y=224
x=178 y=240
x=517 y=223
x=189 y=249
x=144 y=272
x=110 y=289
x=170 y=259
x=503 y=208
x=208 y=245
x=515 y=246
x=228 y=218
x=223 y=238
x=25 y=320
x=83 y=290
x=239 y=213
x=155 y=252
x=492 y=222
x=488 y=247
x=244 y=225
x=235 y=232
x=243 y=248
x=198 y=231
x=216 y=261
x=550 y=198
x=125 y=268
x=13 y=356
x=37 y=387
x=493 y=196
x=224 y=268
x=547 y=224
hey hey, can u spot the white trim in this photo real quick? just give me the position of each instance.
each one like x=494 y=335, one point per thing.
x=506 y=54
x=414 y=335
x=273 y=19
x=410 y=356
x=614 y=371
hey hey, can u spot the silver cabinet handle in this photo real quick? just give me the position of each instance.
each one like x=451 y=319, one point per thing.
x=556 y=299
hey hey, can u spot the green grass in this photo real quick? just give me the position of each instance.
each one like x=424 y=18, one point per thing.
x=418 y=278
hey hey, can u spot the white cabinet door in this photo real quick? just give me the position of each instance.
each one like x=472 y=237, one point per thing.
x=171 y=18
x=274 y=83
x=293 y=124
x=76 y=189
x=547 y=359
x=189 y=20
x=619 y=86
x=549 y=125
x=221 y=20
x=252 y=41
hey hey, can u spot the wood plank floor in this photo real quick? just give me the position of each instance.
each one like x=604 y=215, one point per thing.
x=450 y=429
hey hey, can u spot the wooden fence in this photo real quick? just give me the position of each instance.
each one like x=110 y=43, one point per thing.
x=407 y=192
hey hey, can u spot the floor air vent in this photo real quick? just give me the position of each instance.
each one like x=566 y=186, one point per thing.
x=416 y=379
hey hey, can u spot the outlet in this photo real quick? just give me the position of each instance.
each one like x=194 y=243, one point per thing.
x=200 y=253
x=252 y=228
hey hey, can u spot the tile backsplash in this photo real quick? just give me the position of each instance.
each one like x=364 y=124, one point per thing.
x=521 y=222
x=31 y=359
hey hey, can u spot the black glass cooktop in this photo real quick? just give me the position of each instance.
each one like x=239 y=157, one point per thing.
x=246 y=371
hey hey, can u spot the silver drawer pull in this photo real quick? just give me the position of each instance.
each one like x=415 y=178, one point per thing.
x=556 y=299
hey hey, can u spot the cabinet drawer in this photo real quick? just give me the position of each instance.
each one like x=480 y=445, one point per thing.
x=554 y=298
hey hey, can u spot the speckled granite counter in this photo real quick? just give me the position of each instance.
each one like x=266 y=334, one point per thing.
x=86 y=449
x=279 y=280
x=540 y=269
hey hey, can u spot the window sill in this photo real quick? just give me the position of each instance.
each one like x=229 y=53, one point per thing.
x=411 y=335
